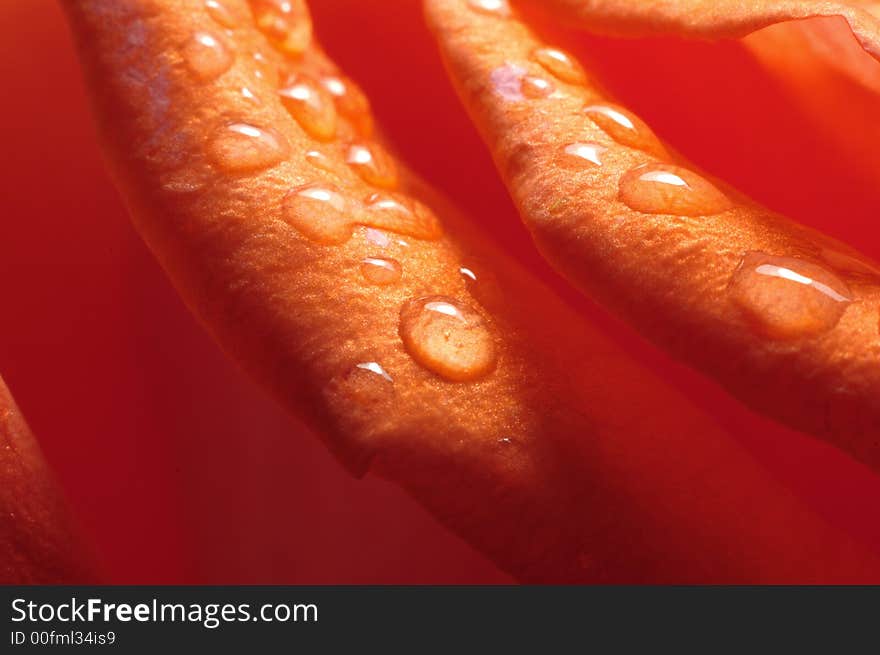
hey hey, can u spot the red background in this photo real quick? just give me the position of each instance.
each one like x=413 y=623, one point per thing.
x=177 y=466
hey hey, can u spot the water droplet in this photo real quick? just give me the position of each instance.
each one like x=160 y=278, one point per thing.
x=320 y=212
x=241 y=147
x=400 y=214
x=667 y=189
x=625 y=128
x=787 y=298
x=286 y=23
x=247 y=93
x=319 y=160
x=311 y=106
x=375 y=368
x=220 y=13
x=591 y=152
x=351 y=102
x=377 y=237
x=381 y=271
x=207 y=56
x=560 y=64
x=447 y=338
x=493 y=7
x=373 y=164
x=467 y=274
x=533 y=86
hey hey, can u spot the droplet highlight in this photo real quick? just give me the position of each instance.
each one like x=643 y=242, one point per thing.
x=536 y=87
x=625 y=128
x=491 y=7
x=286 y=23
x=242 y=147
x=381 y=271
x=667 y=189
x=319 y=160
x=448 y=338
x=560 y=64
x=311 y=106
x=373 y=164
x=207 y=56
x=583 y=151
x=788 y=298
x=319 y=212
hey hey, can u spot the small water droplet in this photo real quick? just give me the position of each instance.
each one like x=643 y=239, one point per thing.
x=667 y=189
x=591 y=152
x=320 y=212
x=220 y=13
x=400 y=214
x=286 y=23
x=311 y=106
x=351 y=102
x=381 y=271
x=533 y=86
x=319 y=160
x=447 y=338
x=787 y=298
x=247 y=93
x=492 y=7
x=376 y=369
x=560 y=64
x=373 y=164
x=264 y=70
x=242 y=147
x=467 y=274
x=377 y=237
x=207 y=56
x=625 y=128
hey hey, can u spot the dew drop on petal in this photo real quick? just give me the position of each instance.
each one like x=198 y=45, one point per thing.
x=532 y=86
x=319 y=160
x=625 y=128
x=320 y=212
x=448 y=338
x=788 y=298
x=311 y=106
x=667 y=189
x=381 y=271
x=220 y=13
x=582 y=151
x=207 y=56
x=242 y=147
x=492 y=7
x=373 y=164
x=286 y=23
x=560 y=64
x=400 y=214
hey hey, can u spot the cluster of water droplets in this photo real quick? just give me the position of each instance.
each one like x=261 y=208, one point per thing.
x=445 y=335
x=781 y=297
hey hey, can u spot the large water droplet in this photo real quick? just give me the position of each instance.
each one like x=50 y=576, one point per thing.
x=787 y=298
x=447 y=338
x=667 y=189
x=242 y=147
x=401 y=214
x=381 y=271
x=320 y=212
x=560 y=64
x=207 y=56
x=492 y=7
x=625 y=128
x=373 y=164
x=311 y=106
x=286 y=23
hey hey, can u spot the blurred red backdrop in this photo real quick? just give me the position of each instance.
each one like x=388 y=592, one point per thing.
x=177 y=466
